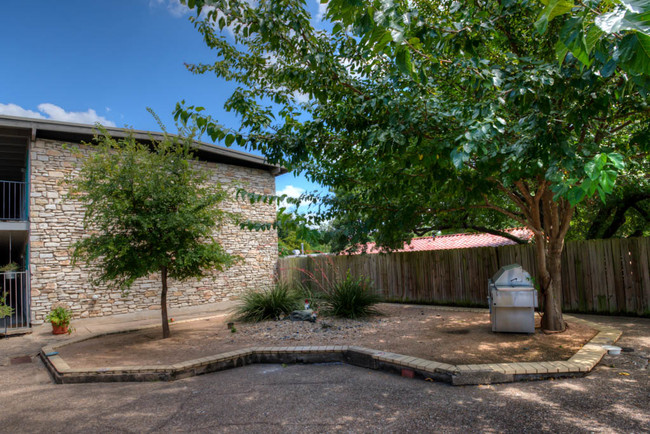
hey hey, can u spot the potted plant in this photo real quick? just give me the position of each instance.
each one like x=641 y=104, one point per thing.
x=60 y=319
x=9 y=270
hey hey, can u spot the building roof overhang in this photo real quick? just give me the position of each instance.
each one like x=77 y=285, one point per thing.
x=78 y=133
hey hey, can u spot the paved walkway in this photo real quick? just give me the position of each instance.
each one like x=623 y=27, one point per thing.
x=31 y=344
x=615 y=397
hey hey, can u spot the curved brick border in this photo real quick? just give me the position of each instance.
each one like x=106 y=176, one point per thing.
x=580 y=364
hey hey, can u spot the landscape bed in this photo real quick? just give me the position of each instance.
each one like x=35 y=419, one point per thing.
x=420 y=331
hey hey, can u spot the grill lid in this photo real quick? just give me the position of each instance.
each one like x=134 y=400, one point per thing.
x=512 y=275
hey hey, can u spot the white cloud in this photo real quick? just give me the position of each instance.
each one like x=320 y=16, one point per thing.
x=177 y=9
x=290 y=191
x=16 y=110
x=318 y=16
x=322 y=10
x=301 y=97
x=90 y=116
x=173 y=6
x=55 y=113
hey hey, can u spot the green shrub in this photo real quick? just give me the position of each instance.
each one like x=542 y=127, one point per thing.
x=272 y=303
x=5 y=310
x=350 y=298
x=12 y=266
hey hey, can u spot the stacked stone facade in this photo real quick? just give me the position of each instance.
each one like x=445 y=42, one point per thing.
x=57 y=222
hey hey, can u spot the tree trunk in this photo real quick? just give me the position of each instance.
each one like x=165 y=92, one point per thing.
x=552 y=319
x=549 y=219
x=163 y=303
x=552 y=223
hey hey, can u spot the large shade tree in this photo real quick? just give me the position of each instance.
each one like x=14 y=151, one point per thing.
x=148 y=209
x=426 y=114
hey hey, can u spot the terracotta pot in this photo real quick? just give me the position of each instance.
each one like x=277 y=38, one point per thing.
x=59 y=329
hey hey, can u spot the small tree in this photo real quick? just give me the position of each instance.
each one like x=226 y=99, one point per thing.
x=148 y=209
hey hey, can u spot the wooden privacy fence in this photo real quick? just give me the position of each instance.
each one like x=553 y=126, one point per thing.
x=605 y=276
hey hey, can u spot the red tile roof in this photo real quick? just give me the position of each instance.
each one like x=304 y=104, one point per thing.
x=458 y=241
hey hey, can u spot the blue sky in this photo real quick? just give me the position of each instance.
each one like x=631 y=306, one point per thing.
x=107 y=61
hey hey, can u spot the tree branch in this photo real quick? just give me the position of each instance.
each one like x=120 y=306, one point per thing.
x=512 y=215
x=499 y=233
x=477 y=228
x=516 y=199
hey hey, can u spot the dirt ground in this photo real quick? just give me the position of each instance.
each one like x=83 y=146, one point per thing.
x=419 y=331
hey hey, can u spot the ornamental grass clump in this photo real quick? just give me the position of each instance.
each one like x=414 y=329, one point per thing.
x=280 y=300
x=350 y=298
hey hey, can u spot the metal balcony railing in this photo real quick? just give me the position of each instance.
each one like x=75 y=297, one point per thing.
x=14 y=291
x=13 y=200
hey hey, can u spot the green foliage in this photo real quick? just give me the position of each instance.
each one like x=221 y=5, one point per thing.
x=603 y=35
x=5 y=310
x=425 y=113
x=446 y=111
x=350 y=298
x=624 y=213
x=59 y=316
x=12 y=266
x=273 y=303
x=295 y=233
x=148 y=208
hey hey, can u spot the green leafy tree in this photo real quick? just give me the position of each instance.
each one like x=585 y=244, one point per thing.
x=603 y=35
x=148 y=209
x=296 y=233
x=425 y=113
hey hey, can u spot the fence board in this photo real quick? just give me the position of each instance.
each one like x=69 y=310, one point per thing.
x=617 y=271
x=568 y=278
x=608 y=276
x=628 y=280
x=644 y=263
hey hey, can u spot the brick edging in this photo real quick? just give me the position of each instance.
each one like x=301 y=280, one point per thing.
x=579 y=364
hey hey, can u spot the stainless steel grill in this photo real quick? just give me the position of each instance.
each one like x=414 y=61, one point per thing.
x=512 y=300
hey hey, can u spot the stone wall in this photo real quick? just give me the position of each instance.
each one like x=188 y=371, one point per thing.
x=57 y=222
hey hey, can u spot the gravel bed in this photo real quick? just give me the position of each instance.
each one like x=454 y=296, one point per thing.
x=419 y=331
